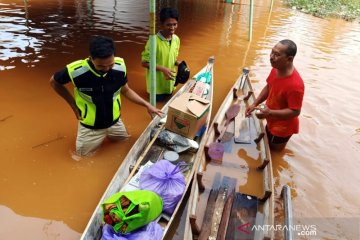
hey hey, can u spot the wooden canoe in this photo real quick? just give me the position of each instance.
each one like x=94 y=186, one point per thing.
x=146 y=149
x=231 y=195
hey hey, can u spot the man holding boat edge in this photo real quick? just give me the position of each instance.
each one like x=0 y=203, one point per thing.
x=283 y=93
x=98 y=82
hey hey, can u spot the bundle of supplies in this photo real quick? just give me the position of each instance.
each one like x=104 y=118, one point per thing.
x=128 y=211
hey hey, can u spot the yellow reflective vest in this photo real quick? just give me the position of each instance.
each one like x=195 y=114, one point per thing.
x=98 y=96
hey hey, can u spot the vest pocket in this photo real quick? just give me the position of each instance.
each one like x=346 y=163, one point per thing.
x=118 y=102
x=85 y=114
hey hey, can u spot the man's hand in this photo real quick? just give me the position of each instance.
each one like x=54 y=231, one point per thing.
x=77 y=112
x=249 y=110
x=262 y=111
x=66 y=95
x=169 y=74
x=135 y=98
x=153 y=110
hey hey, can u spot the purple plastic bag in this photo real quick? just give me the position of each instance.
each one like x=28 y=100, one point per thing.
x=165 y=179
x=152 y=231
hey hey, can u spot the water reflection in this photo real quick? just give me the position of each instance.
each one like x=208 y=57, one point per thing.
x=16 y=36
x=27 y=28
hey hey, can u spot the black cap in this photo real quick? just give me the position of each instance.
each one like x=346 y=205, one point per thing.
x=183 y=73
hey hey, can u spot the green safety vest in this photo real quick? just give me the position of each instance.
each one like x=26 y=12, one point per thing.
x=98 y=96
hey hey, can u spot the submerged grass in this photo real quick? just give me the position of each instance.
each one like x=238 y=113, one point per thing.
x=345 y=9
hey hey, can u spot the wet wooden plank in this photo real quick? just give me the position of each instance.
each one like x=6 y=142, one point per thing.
x=219 y=207
x=206 y=226
x=242 y=218
x=229 y=132
x=227 y=185
x=244 y=132
x=225 y=216
x=215 y=207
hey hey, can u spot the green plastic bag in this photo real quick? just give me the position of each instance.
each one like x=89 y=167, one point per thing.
x=145 y=206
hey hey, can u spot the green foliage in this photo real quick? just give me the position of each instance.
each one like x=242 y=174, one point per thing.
x=346 y=9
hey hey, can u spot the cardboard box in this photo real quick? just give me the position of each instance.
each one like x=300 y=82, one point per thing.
x=187 y=114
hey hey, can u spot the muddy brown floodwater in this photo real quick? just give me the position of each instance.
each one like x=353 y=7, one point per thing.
x=45 y=193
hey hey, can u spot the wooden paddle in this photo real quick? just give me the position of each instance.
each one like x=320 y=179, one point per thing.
x=216 y=149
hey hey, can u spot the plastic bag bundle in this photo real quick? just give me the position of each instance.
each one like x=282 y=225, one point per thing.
x=176 y=142
x=205 y=78
x=127 y=211
x=152 y=231
x=165 y=179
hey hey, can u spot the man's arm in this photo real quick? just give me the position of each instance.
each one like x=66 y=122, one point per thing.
x=285 y=113
x=294 y=101
x=65 y=94
x=135 y=98
x=261 y=98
